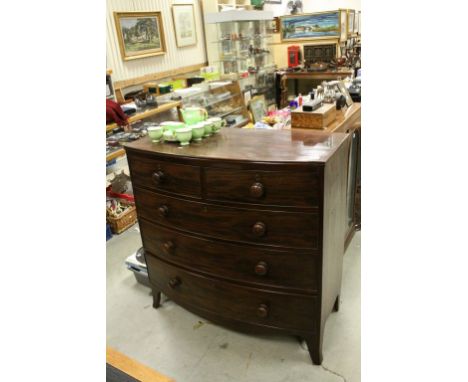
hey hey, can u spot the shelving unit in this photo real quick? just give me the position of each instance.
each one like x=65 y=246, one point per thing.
x=138 y=116
x=219 y=98
x=148 y=113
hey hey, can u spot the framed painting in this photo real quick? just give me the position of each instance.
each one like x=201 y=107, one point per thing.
x=323 y=25
x=350 y=21
x=343 y=24
x=140 y=34
x=357 y=22
x=183 y=17
x=258 y=108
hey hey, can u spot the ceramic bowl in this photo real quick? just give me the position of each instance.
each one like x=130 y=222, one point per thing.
x=169 y=136
x=172 y=125
x=208 y=128
x=198 y=131
x=217 y=123
x=184 y=135
x=155 y=133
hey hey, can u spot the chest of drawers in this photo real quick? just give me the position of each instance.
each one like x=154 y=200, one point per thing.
x=246 y=228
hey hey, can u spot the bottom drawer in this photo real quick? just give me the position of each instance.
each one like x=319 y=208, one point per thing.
x=231 y=301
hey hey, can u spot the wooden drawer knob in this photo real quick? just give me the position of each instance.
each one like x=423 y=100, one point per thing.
x=259 y=229
x=261 y=268
x=163 y=211
x=262 y=310
x=174 y=282
x=257 y=190
x=158 y=177
x=169 y=247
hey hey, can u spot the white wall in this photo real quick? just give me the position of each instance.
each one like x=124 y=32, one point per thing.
x=310 y=6
x=174 y=58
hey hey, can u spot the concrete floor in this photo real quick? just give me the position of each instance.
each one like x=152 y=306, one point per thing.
x=187 y=348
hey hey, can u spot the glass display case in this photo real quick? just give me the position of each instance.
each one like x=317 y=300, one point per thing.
x=222 y=99
x=240 y=49
x=243 y=46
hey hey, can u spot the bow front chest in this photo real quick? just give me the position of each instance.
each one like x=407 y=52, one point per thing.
x=246 y=228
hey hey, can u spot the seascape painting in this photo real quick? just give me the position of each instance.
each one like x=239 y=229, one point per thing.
x=311 y=26
x=140 y=34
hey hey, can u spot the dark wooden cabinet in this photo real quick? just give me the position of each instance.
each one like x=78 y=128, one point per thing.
x=246 y=228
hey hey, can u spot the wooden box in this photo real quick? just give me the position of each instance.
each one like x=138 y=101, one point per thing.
x=318 y=119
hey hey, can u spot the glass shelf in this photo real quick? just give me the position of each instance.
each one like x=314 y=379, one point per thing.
x=242 y=39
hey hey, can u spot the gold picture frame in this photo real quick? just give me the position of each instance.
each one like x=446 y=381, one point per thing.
x=140 y=34
x=181 y=30
x=336 y=33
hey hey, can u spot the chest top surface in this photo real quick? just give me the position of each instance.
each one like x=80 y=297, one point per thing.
x=252 y=145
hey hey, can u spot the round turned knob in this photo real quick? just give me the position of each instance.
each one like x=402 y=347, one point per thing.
x=174 y=282
x=163 y=211
x=158 y=177
x=262 y=310
x=169 y=247
x=261 y=268
x=259 y=229
x=257 y=190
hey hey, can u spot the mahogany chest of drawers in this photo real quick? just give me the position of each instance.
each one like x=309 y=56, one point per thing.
x=246 y=228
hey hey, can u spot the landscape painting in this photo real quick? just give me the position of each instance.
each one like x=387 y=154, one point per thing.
x=310 y=26
x=140 y=34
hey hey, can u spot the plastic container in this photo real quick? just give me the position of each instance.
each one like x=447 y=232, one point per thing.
x=136 y=264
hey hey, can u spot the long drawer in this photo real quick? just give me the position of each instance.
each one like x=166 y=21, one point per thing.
x=298 y=189
x=245 y=263
x=160 y=175
x=289 y=229
x=233 y=301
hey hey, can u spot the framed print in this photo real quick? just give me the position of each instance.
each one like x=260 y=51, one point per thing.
x=350 y=21
x=343 y=25
x=323 y=25
x=183 y=16
x=258 y=108
x=357 y=22
x=140 y=34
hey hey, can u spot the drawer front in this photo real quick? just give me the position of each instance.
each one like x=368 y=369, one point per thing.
x=299 y=189
x=164 y=176
x=231 y=300
x=288 y=229
x=236 y=262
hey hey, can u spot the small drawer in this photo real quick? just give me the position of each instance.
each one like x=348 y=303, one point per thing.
x=282 y=188
x=277 y=228
x=165 y=176
x=285 y=269
x=233 y=301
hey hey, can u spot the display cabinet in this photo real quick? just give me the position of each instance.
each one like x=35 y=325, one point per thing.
x=222 y=99
x=239 y=47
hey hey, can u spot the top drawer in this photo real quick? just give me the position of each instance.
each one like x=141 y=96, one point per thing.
x=164 y=176
x=282 y=188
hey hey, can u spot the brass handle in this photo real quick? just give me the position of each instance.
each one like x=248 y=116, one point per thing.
x=257 y=190
x=261 y=268
x=169 y=247
x=174 y=282
x=262 y=310
x=259 y=229
x=158 y=177
x=163 y=211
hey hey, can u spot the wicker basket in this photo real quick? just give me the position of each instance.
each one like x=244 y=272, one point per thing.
x=124 y=220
